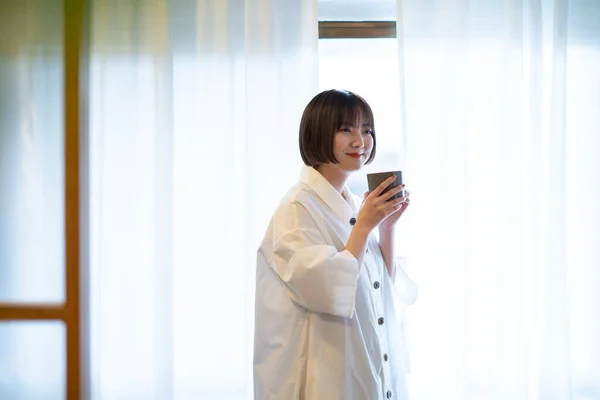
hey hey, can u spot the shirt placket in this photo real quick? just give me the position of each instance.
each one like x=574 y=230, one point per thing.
x=377 y=286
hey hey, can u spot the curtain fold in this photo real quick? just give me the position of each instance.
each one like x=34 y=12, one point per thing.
x=194 y=112
x=500 y=106
x=31 y=153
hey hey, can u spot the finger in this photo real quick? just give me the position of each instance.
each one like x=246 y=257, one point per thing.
x=366 y=195
x=394 y=209
x=405 y=204
x=395 y=203
x=379 y=189
x=391 y=193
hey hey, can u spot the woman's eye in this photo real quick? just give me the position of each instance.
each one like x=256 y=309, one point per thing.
x=345 y=130
x=368 y=132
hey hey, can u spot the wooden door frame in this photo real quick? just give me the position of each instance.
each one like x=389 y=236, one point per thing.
x=74 y=311
x=76 y=56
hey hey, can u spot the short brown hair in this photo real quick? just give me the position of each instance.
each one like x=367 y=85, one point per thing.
x=323 y=117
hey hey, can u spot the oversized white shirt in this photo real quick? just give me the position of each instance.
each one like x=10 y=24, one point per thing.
x=325 y=327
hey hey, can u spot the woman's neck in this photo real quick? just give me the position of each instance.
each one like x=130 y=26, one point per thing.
x=334 y=175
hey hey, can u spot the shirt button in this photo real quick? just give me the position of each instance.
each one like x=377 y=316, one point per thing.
x=380 y=321
x=385 y=357
x=389 y=394
x=352 y=221
x=376 y=285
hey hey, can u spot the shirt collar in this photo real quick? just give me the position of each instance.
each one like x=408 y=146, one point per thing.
x=345 y=210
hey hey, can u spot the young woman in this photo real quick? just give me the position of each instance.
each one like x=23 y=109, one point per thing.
x=325 y=321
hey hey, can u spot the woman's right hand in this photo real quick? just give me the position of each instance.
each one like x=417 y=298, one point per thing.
x=376 y=206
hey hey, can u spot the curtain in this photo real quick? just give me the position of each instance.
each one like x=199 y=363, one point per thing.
x=194 y=112
x=31 y=158
x=500 y=104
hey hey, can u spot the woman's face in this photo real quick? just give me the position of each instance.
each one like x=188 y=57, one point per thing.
x=352 y=145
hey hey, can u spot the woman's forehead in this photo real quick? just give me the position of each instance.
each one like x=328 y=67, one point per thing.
x=357 y=124
x=356 y=120
x=355 y=113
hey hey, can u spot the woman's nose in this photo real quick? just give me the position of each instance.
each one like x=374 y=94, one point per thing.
x=358 y=140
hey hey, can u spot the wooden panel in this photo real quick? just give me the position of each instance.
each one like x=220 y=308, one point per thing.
x=357 y=30
x=73 y=30
x=14 y=311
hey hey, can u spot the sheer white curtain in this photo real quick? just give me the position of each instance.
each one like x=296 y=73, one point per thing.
x=195 y=106
x=501 y=104
x=31 y=154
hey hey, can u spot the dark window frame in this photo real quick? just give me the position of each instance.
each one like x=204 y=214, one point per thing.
x=357 y=29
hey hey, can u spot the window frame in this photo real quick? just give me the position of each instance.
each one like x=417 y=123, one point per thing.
x=73 y=312
x=357 y=29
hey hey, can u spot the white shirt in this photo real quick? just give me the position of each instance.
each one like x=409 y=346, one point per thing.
x=325 y=328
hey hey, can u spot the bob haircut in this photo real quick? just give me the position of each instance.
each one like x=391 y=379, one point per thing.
x=326 y=113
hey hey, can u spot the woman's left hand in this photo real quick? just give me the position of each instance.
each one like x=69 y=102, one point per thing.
x=390 y=221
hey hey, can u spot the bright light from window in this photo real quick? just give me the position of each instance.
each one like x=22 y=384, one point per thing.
x=357 y=10
x=368 y=67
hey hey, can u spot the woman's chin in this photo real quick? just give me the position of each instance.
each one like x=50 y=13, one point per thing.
x=353 y=167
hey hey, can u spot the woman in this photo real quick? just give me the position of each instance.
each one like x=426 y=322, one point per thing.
x=325 y=321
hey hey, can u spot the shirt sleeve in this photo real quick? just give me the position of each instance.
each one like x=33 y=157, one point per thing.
x=404 y=286
x=317 y=276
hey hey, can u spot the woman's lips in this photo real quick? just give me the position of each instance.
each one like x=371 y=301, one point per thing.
x=356 y=155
